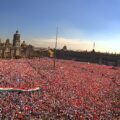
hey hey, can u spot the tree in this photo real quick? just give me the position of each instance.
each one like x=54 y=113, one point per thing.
x=64 y=48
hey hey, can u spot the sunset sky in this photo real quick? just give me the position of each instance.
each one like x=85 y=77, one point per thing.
x=80 y=23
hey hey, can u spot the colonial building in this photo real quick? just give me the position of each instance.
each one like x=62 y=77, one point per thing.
x=15 y=49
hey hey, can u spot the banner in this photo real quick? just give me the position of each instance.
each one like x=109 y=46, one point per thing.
x=19 y=90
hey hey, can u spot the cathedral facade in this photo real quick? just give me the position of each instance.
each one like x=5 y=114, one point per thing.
x=14 y=49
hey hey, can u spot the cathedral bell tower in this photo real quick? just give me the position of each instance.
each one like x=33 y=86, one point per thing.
x=16 y=44
x=16 y=39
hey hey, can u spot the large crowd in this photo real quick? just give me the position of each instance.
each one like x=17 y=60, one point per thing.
x=69 y=91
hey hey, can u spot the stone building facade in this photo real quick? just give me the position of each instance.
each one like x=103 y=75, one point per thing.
x=15 y=49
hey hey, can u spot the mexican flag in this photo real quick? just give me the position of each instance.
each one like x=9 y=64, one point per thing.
x=19 y=90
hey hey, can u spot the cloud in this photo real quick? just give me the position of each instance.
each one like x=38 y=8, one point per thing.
x=73 y=44
x=76 y=44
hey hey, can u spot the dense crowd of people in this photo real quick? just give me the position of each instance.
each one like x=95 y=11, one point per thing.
x=69 y=91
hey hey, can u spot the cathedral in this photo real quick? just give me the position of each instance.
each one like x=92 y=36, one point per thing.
x=15 y=49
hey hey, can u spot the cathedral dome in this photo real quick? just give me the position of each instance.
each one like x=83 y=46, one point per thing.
x=17 y=32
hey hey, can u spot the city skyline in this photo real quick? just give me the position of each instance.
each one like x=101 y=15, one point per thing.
x=80 y=22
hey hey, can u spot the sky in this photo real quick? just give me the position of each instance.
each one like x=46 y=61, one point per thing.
x=80 y=23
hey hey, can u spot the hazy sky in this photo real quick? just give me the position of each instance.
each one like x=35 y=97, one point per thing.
x=80 y=22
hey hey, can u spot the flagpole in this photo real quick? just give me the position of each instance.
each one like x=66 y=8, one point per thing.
x=94 y=46
x=55 y=46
